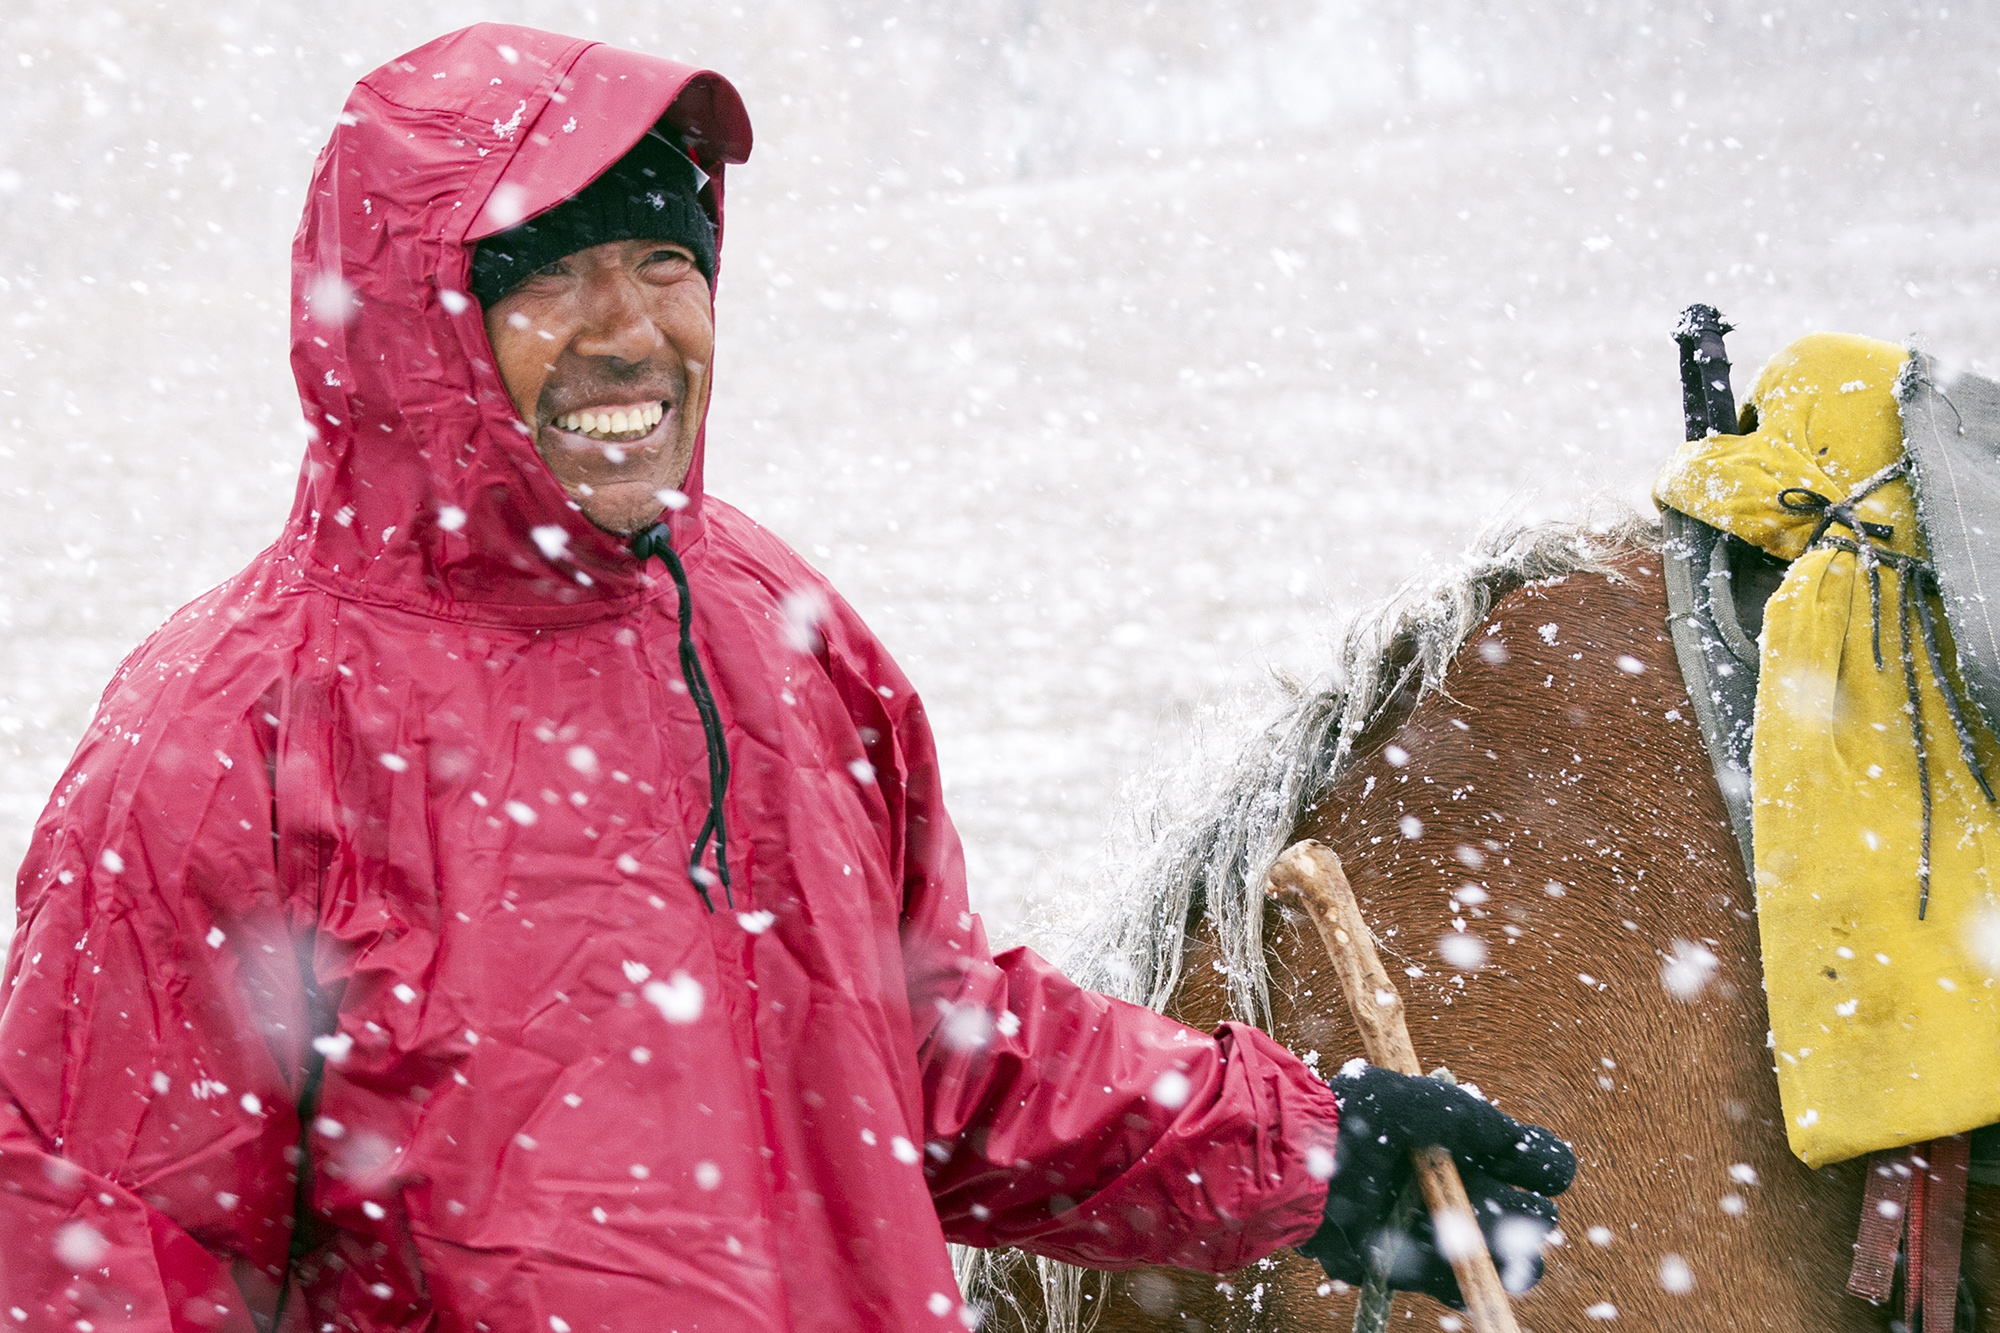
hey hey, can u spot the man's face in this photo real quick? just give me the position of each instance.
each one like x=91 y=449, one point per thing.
x=606 y=354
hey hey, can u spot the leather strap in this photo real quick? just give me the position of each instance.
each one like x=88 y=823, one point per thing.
x=1913 y=1241
x=1914 y=1203
x=1944 y=1229
x=1885 y=1204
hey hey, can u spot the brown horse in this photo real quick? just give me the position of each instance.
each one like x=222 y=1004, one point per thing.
x=1513 y=777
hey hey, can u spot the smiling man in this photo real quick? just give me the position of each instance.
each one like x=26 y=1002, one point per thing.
x=600 y=315
x=499 y=907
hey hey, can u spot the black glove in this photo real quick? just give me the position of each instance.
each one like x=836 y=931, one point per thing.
x=1383 y=1115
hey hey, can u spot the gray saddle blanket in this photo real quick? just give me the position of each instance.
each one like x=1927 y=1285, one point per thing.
x=1716 y=589
x=1951 y=434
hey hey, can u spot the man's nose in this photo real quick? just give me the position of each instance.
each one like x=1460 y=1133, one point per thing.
x=615 y=323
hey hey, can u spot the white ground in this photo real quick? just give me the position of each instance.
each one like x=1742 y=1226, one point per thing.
x=1102 y=370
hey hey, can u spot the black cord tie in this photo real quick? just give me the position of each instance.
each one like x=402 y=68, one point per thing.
x=657 y=541
x=1913 y=608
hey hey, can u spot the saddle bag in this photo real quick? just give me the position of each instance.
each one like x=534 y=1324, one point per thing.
x=1827 y=563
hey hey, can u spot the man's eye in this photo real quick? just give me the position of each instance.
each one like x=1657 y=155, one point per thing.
x=551 y=269
x=668 y=257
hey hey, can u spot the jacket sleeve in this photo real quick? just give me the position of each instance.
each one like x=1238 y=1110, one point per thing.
x=1101 y=1133
x=1068 y=1123
x=152 y=1026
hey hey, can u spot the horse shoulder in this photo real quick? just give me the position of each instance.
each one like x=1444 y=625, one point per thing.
x=1549 y=870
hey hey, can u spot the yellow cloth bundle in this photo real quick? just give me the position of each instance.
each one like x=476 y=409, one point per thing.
x=1886 y=1025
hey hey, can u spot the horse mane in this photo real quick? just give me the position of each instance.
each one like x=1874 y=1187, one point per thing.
x=1204 y=851
x=1210 y=857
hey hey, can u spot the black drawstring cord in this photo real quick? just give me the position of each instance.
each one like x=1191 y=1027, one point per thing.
x=1910 y=592
x=657 y=541
x=1842 y=512
x=1838 y=511
x=1912 y=604
x=1926 y=584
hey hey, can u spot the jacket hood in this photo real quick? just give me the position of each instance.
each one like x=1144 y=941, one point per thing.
x=421 y=487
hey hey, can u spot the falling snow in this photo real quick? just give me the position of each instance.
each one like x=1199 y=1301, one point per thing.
x=1080 y=496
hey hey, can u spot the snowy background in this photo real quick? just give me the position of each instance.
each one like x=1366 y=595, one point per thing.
x=1104 y=354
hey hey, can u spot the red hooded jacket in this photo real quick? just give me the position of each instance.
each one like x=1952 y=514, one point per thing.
x=358 y=955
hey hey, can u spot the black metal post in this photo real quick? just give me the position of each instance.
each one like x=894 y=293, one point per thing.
x=1707 y=404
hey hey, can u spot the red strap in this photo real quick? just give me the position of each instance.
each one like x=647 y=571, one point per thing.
x=1913 y=1249
x=1917 y=1191
x=1943 y=1229
x=1885 y=1204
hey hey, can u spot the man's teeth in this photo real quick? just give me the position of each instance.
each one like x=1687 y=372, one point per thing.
x=608 y=423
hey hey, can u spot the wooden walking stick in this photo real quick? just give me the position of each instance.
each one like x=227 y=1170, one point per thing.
x=1310 y=872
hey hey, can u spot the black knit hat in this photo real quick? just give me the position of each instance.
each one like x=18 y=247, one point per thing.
x=648 y=194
